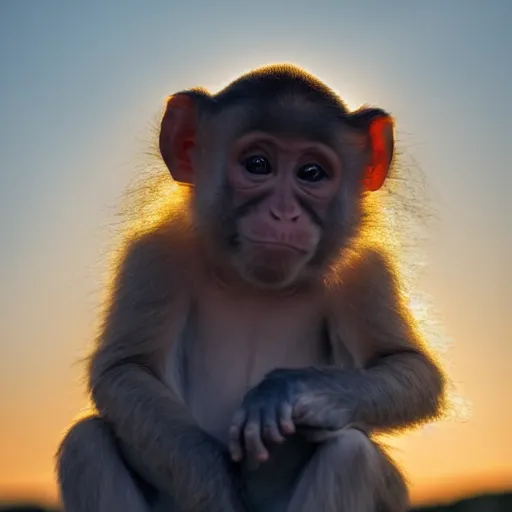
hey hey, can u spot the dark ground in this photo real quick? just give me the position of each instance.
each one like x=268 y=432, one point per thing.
x=490 y=503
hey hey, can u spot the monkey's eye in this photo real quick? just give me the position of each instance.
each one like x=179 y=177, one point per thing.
x=311 y=173
x=257 y=165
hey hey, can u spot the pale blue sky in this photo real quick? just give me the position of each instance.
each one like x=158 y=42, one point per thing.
x=81 y=81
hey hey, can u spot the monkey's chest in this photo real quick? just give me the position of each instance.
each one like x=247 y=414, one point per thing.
x=234 y=344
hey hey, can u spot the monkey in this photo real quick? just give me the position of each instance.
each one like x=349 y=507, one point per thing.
x=254 y=342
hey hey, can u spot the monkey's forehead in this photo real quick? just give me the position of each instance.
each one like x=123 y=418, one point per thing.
x=287 y=120
x=283 y=122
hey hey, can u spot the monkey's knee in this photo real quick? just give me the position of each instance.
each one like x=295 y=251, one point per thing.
x=92 y=474
x=342 y=475
x=371 y=468
x=76 y=459
x=89 y=448
x=351 y=444
x=84 y=442
x=73 y=445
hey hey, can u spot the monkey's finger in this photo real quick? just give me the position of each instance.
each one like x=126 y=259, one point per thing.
x=271 y=430
x=256 y=450
x=235 y=431
x=285 y=414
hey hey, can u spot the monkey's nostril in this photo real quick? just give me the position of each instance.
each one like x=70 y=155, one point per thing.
x=290 y=217
x=275 y=215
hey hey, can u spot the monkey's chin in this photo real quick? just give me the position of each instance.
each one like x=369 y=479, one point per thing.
x=270 y=278
x=276 y=268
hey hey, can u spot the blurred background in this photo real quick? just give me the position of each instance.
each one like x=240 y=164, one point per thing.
x=81 y=85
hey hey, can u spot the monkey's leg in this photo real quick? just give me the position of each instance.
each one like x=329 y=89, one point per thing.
x=92 y=474
x=350 y=473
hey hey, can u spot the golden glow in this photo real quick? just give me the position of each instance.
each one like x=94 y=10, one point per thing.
x=446 y=460
x=466 y=455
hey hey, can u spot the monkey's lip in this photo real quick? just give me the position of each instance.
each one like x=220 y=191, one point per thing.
x=276 y=245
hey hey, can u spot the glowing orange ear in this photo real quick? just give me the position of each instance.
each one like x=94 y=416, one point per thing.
x=381 y=140
x=178 y=136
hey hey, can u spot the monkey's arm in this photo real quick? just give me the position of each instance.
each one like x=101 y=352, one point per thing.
x=393 y=382
x=146 y=310
x=396 y=382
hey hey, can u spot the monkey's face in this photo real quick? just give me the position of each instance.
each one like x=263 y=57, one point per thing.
x=280 y=191
x=278 y=180
x=277 y=191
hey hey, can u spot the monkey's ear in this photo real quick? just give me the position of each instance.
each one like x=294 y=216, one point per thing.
x=382 y=142
x=178 y=136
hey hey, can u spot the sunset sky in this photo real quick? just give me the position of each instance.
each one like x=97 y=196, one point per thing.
x=81 y=84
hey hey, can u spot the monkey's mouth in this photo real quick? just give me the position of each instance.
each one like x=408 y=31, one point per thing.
x=272 y=245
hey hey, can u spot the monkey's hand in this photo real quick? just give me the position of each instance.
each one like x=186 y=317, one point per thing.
x=285 y=402
x=322 y=415
x=265 y=415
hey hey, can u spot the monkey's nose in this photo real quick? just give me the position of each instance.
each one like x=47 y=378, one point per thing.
x=291 y=215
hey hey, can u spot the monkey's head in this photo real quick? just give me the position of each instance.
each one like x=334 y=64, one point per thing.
x=279 y=167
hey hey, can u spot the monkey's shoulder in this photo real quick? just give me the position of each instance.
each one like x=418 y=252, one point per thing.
x=364 y=271
x=368 y=285
x=158 y=259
